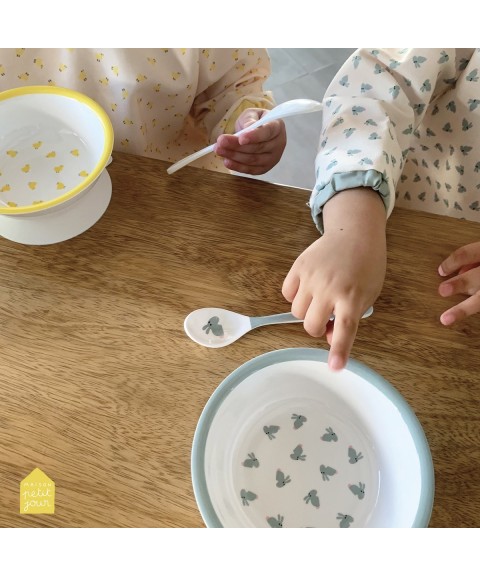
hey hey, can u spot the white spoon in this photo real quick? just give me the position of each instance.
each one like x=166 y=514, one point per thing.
x=215 y=328
x=288 y=108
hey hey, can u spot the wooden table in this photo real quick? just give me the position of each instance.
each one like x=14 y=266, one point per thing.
x=101 y=389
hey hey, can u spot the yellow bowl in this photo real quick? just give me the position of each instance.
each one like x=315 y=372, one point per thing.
x=54 y=145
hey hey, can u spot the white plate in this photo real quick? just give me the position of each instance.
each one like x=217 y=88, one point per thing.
x=62 y=222
x=284 y=441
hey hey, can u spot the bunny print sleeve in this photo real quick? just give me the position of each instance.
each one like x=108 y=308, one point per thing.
x=372 y=111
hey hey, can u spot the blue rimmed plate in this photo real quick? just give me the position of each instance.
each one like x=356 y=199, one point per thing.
x=285 y=442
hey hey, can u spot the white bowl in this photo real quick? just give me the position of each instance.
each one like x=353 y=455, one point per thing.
x=54 y=146
x=285 y=442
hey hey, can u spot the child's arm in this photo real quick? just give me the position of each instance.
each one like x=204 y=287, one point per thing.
x=342 y=272
x=371 y=112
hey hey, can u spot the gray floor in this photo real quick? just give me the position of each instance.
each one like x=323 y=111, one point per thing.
x=301 y=73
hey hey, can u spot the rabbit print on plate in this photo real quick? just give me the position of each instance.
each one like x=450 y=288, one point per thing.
x=299 y=471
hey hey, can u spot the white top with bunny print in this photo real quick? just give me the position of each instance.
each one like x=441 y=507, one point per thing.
x=164 y=103
x=405 y=122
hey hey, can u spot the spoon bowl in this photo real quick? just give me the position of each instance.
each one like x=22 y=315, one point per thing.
x=215 y=327
x=288 y=108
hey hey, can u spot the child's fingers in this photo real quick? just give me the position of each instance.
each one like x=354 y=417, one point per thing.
x=245 y=157
x=227 y=144
x=467 y=283
x=249 y=116
x=252 y=165
x=290 y=286
x=466 y=308
x=468 y=267
x=317 y=317
x=463 y=256
x=300 y=304
x=343 y=336
x=264 y=133
x=257 y=157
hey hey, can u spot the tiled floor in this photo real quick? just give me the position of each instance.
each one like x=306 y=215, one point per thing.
x=301 y=73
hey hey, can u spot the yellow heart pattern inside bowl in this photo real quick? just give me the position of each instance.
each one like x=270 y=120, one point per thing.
x=54 y=143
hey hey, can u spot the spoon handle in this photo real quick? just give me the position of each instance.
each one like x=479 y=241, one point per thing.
x=188 y=159
x=289 y=318
x=273 y=320
x=204 y=151
x=273 y=114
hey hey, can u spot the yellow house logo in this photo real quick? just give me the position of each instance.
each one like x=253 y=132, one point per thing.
x=37 y=494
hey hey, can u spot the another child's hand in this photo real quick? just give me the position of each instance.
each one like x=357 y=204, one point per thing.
x=256 y=151
x=342 y=272
x=465 y=263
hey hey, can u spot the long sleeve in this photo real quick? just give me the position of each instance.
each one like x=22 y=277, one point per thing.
x=372 y=110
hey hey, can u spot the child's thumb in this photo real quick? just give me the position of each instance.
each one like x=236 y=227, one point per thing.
x=248 y=117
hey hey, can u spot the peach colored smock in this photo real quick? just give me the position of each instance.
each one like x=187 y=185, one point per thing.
x=164 y=103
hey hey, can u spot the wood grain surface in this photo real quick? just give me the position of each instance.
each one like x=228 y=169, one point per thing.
x=102 y=390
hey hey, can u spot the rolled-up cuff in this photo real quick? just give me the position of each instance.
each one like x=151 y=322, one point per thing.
x=343 y=181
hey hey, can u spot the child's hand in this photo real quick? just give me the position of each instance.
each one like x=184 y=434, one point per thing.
x=465 y=263
x=256 y=151
x=342 y=272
